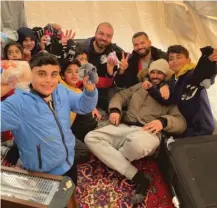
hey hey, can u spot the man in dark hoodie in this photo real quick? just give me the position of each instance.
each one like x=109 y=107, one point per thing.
x=27 y=39
x=98 y=48
x=142 y=56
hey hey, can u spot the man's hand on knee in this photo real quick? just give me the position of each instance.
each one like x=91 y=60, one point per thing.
x=114 y=118
x=154 y=126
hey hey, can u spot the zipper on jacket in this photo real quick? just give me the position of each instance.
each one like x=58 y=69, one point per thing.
x=61 y=132
x=39 y=156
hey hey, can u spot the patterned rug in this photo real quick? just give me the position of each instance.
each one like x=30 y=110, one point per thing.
x=100 y=187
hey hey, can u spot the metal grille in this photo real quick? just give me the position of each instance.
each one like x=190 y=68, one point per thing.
x=29 y=188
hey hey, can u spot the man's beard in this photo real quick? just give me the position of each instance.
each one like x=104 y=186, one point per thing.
x=145 y=53
x=155 y=82
x=100 y=46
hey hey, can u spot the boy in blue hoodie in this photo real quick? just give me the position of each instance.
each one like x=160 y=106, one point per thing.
x=40 y=119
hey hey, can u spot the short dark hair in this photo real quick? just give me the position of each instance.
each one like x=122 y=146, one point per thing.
x=67 y=63
x=12 y=43
x=43 y=58
x=139 y=34
x=178 y=49
x=78 y=53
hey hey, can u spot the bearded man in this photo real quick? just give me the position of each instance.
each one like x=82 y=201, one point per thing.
x=98 y=48
x=142 y=56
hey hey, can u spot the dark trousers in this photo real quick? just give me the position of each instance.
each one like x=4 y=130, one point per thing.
x=82 y=125
x=72 y=173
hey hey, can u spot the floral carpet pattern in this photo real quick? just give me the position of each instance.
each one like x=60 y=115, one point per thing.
x=101 y=187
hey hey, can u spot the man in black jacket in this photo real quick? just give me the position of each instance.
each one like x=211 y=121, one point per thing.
x=142 y=56
x=98 y=49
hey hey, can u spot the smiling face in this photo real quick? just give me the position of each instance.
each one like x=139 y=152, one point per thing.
x=177 y=61
x=156 y=77
x=71 y=75
x=103 y=36
x=142 y=45
x=45 y=79
x=28 y=43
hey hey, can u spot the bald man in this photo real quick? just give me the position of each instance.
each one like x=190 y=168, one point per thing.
x=98 y=48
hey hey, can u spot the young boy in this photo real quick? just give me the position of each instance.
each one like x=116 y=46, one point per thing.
x=81 y=57
x=196 y=110
x=40 y=119
x=70 y=78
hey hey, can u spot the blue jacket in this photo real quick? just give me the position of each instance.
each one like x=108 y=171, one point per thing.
x=44 y=139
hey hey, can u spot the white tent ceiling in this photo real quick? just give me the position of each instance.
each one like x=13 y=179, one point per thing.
x=190 y=23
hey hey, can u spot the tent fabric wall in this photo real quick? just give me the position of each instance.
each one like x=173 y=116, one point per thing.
x=12 y=15
x=166 y=22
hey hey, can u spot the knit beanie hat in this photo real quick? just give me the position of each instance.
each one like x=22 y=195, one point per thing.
x=160 y=65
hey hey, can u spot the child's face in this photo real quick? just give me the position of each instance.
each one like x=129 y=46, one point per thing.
x=71 y=75
x=14 y=53
x=28 y=43
x=45 y=78
x=82 y=58
x=156 y=77
x=177 y=61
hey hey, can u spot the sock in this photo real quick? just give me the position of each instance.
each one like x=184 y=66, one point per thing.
x=143 y=182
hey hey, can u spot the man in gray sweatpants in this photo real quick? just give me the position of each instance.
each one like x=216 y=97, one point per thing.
x=138 y=135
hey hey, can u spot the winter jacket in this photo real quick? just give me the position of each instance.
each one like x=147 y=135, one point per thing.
x=97 y=59
x=44 y=138
x=197 y=110
x=142 y=109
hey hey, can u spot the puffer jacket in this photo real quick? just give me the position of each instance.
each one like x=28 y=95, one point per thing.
x=44 y=138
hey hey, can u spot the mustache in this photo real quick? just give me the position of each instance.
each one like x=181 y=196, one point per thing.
x=154 y=80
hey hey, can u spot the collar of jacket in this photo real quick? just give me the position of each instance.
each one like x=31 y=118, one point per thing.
x=108 y=49
x=56 y=97
x=155 y=54
x=185 y=69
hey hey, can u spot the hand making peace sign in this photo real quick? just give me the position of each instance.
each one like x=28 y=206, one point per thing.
x=124 y=62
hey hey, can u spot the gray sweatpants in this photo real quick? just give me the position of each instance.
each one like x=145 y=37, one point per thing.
x=117 y=146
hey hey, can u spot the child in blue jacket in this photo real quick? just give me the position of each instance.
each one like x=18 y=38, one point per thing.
x=40 y=119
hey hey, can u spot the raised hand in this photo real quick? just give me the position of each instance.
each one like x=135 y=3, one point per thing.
x=165 y=92
x=123 y=63
x=154 y=126
x=111 y=63
x=44 y=40
x=114 y=118
x=147 y=85
x=87 y=85
x=26 y=54
x=66 y=36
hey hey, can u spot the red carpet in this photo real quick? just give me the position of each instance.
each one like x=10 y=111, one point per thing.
x=100 y=187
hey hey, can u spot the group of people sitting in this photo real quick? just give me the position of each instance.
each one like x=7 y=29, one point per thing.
x=145 y=94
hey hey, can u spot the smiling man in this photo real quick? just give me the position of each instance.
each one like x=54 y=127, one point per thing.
x=97 y=49
x=135 y=133
x=142 y=56
x=40 y=119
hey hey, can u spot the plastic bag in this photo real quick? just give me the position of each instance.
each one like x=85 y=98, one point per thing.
x=16 y=73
